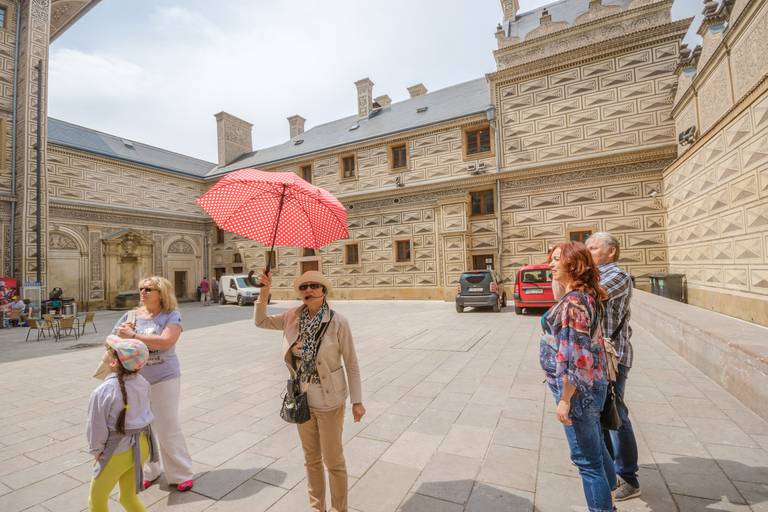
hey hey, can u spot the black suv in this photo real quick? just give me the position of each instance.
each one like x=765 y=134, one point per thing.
x=480 y=288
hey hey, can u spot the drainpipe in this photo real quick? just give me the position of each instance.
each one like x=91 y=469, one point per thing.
x=13 y=139
x=491 y=115
x=205 y=256
x=39 y=170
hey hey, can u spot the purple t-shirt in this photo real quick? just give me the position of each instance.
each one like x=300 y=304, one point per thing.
x=162 y=364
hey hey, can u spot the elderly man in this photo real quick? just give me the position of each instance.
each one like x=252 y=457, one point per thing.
x=605 y=250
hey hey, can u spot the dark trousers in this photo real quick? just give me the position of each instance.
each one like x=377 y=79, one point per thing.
x=621 y=443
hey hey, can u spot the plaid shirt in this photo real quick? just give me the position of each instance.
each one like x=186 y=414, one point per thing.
x=619 y=287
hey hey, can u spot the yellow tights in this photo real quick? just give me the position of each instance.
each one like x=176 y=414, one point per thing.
x=119 y=469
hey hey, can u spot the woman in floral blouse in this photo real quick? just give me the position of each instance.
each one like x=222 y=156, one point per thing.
x=573 y=359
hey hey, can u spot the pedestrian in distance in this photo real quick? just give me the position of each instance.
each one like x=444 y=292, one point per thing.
x=205 y=289
x=27 y=311
x=119 y=427
x=322 y=376
x=572 y=356
x=215 y=290
x=157 y=323
x=617 y=283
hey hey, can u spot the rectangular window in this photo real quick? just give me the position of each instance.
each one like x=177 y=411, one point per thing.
x=482 y=202
x=348 y=167
x=219 y=235
x=580 y=236
x=352 y=254
x=479 y=141
x=399 y=157
x=3 y=13
x=271 y=257
x=306 y=173
x=482 y=262
x=403 y=251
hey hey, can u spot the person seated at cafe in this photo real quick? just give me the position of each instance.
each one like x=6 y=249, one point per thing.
x=17 y=304
x=27 y=311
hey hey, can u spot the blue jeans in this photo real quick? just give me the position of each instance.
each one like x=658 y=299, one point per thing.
x=588 y=452
x=621 y=443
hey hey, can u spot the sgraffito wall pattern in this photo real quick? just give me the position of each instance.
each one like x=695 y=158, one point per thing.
x=616 y=103
x=535 y=219
x=717 y=203
x=77 y=177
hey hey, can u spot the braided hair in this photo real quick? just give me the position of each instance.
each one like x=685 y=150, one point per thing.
x=121 y=373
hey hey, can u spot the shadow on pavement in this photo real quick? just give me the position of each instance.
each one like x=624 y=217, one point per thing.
x=465 y=495
x=225 y=485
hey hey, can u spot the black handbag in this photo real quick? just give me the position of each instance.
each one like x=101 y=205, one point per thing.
x=295 y=408
x=609 y=418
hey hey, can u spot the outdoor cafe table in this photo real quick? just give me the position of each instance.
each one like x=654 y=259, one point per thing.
x=57 y=327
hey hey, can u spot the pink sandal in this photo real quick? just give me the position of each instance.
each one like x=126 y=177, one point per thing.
x=146 y=483
x=185 y=486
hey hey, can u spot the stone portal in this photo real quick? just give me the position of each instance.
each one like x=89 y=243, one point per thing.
x=127 y=258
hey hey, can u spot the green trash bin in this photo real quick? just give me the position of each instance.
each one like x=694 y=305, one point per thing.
x=671 y=286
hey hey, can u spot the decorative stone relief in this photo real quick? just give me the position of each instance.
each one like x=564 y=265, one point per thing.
x=596 y=11
x=61 y=241
x=40 y=9
x=95 y=256
x=180 y=247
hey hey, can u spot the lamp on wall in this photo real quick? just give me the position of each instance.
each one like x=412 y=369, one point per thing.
x=399 y=182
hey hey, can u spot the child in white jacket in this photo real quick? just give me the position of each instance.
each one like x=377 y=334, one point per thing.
x=119 y=427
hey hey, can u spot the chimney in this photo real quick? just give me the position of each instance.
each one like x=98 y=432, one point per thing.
x=383 y=100
x=417 y=90
x=364 y=97
x=234 y=137
x=297 y=125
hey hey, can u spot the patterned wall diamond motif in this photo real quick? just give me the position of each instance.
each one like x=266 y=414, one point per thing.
x=736 y=277
x=756 y=153
x=743 y=190
x=738 y=131
x=529 y=247
x=548 y=200
x=732 y=222
x=582 y=196
x=757 y=216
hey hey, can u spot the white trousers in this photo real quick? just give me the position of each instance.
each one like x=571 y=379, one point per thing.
x=164 y=402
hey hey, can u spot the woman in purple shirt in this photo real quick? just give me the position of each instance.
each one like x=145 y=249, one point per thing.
x=158 y=324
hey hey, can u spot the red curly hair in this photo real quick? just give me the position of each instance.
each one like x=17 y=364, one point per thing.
x=581 y=269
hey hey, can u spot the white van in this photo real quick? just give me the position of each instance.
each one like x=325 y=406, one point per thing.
x=235 y=288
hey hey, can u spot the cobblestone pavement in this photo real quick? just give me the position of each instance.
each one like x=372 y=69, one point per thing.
x=458 y=420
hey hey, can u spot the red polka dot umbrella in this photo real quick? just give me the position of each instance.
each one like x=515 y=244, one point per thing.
x=276 y=208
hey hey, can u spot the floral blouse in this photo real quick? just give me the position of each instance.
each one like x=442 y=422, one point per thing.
x=572 y=344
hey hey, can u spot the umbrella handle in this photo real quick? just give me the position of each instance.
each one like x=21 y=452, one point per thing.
x=253 y=282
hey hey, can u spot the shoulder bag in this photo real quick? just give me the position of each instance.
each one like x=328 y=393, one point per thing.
x=609 y=418
x=295 y=407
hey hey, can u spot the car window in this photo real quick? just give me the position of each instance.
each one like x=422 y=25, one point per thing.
x=232 y=284
x=541 y=275
x=241 y=282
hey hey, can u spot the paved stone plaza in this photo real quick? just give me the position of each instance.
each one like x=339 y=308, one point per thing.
x=458 y=420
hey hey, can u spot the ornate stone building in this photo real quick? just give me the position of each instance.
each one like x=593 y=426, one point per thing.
x=577 y=130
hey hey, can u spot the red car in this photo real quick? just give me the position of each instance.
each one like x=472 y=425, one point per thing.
x=533 y=288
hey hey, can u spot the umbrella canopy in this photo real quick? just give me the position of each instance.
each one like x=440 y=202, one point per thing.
x=276 y=208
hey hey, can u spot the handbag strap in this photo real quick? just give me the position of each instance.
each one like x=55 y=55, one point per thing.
x=618 y=329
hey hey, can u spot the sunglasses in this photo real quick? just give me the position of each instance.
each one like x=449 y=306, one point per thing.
x=314 y=286
x=146 y=289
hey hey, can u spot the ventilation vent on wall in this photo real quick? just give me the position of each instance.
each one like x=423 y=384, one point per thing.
x=481 y=165
x=471 y=167
x=127 y=143
x=296 y=143
x=396 y=200
x=421 y=110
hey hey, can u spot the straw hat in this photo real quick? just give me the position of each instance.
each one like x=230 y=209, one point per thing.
x=312 y=276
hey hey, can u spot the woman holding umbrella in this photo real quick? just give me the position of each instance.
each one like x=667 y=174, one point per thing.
x=322 y=373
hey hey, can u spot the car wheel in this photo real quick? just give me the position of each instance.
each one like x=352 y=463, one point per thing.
x=497 y=306
x=240 y=301
x=518 y=310
x=222 y=299
x=504 y=301
x=460 y=309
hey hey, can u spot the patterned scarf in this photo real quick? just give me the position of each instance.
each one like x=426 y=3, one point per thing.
x=308 y=329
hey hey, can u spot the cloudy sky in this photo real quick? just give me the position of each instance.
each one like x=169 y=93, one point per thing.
x=157 y=72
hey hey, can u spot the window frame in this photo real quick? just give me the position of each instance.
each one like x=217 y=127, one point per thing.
x=465 y=142
x=219 y=235
x=274 y=257
x=9 y=15
x=356 y=170
x=482 y=203
x=345 y=255
x=395 y=250
x=391 y=147
x=311 y=168
x=579 y=229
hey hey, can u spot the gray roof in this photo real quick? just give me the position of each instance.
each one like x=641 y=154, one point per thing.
x=98 y=143
x=457 y=101
x=565 y=10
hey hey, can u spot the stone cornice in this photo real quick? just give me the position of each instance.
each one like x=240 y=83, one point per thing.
x=99 y=215
x=738 y=108
x=368 y=144
x=674 y=31
x=735 y=29
x=604 y=167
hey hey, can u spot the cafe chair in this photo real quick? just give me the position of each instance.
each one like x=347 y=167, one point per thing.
x=35 y=325
x=13 y=318
x=89 y=320
x=50 y=323
x=67 y=325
